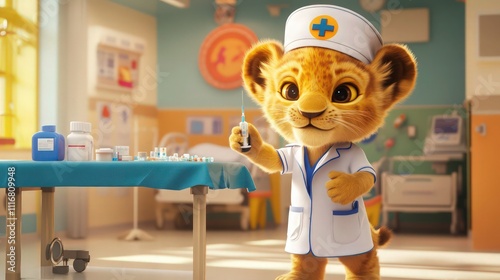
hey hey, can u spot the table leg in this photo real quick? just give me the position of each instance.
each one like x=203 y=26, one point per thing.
x=385 y=217
x=199 y=231
x=47 y=229
x=454 y=219
x=13 y=231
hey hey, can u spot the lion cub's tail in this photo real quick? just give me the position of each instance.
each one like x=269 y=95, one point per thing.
x=384 y=236
x=381 y=236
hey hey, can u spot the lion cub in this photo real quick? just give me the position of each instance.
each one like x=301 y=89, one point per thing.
x=323 y=101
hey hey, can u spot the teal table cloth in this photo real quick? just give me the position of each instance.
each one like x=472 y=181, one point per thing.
x=152 y=174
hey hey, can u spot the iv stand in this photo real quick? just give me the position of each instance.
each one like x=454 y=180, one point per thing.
x=136 y=233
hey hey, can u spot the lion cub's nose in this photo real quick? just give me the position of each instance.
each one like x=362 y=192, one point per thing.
x=311 y=115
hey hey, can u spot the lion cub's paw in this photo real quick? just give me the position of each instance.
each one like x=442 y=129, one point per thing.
x=342 y=187
x=235 y=139
x=294 y=276
x=288 y=276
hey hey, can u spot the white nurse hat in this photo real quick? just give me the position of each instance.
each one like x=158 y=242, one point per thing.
x=334 y=28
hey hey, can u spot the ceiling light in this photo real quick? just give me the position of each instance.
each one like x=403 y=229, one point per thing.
x=178 y=3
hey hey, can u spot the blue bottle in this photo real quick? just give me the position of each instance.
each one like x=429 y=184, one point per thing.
x=47 y=145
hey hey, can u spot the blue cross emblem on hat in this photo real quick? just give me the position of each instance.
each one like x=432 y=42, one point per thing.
x=323 y=27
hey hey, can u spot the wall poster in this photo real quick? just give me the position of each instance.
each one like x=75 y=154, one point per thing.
x=118 y=57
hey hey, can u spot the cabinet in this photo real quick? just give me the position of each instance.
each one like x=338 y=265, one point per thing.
x=429 y=191
x=422 y=192
x=485 y=186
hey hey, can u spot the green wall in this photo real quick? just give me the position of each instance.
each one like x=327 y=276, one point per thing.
x=181 y=32
x=418 y=116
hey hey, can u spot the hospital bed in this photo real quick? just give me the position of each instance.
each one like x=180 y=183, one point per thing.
x=177 y=206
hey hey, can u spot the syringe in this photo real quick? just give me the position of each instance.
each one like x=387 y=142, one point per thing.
x=245 y=147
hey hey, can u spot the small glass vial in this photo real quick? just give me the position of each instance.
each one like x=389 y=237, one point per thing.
x=80 y=143
x=142 y=156
x=47 y=145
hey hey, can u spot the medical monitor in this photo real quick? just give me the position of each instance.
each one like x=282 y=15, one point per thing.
x=447 y=130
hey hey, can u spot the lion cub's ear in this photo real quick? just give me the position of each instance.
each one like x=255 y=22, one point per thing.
x=398 y=69
x=256 y=61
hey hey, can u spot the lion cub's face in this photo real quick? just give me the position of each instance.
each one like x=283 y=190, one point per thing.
x=317 y=97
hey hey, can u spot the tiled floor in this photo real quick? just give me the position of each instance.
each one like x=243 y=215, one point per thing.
x=254 y=255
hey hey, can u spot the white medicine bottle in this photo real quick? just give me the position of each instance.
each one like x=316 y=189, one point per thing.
x=80 y=143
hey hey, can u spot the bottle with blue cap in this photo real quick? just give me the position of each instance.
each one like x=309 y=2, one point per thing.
x=47 y=145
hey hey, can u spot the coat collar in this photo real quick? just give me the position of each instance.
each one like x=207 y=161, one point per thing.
x=332 y=154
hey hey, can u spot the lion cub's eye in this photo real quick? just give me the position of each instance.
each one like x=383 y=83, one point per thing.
x=344 y=93
x=290 y=91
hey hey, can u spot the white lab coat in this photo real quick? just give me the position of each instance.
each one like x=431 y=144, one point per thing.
x=315 y=223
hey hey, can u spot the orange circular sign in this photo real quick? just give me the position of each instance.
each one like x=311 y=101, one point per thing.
x=221 y=55
x=323 y=27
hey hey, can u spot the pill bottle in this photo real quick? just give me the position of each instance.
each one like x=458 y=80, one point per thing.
x=104 y=154
x=80 y=143
x=47 y=145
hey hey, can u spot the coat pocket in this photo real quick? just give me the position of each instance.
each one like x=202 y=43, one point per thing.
x=346 y=225
x=295 y=217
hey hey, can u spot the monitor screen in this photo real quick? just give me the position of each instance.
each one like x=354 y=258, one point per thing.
x=446 y=125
